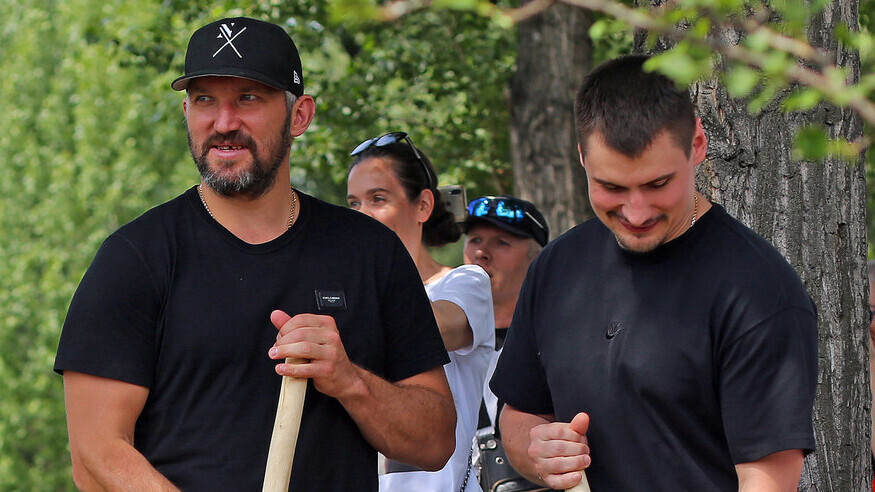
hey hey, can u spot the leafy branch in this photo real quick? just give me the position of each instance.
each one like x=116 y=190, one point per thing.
x=764 y=45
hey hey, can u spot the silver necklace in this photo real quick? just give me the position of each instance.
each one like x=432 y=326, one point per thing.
x=292 y=210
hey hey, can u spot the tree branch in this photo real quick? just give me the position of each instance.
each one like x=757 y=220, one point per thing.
x=832 y=87
x=821 y=77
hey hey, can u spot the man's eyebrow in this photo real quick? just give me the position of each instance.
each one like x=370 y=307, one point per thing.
x=660 y=178
x=604 y=182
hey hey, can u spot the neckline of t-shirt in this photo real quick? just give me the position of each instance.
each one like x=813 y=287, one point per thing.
x=304 y=206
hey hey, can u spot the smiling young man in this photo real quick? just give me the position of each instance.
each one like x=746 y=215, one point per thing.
x=175 y=339
x=664 y=335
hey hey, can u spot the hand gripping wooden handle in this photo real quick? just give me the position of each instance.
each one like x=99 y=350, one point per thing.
x=289 y=409
x=583 y=486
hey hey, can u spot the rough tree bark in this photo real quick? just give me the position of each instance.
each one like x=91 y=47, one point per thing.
x=814 y=213
x=554 y=54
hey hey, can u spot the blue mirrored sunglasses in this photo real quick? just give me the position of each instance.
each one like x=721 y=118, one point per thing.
x=505 y=209
x=389 y=139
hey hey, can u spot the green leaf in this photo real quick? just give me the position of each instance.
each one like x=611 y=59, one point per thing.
x=740 y=80
x=684 y=64
x=599 y=29
x=802 y=100
x=758 y=41
x=810 y=144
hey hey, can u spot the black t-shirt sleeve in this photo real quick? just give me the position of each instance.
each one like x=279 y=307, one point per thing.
x=775 y=362
x=413 y=341
x=109 y=330
x=519 y=379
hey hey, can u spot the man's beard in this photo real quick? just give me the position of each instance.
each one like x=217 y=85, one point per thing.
x=252 y=182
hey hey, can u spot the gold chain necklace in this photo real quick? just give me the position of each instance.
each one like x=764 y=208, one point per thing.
x=695 y=208
x=292 y=210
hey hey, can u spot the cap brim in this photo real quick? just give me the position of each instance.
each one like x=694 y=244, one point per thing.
x=182 y=83
x=516 y=231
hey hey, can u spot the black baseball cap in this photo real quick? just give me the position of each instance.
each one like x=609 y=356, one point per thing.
x=245 y=48
x=514 y=215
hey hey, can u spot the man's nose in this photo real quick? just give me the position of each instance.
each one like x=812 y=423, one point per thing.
x=482 y=252
x=636 y=210
x=227 y=119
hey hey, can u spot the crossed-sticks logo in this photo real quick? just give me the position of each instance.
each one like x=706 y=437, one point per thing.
x=226 y=33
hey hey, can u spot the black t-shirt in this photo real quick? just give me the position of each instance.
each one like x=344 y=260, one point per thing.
x=176 y=303
x=689 y=359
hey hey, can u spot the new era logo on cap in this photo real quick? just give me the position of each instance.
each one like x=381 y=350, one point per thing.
x=246 y=48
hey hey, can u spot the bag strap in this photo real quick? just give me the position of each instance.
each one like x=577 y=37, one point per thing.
x=468 y=469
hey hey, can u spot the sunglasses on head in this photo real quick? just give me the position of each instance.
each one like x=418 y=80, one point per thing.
x=389 y=139
x=508 y=210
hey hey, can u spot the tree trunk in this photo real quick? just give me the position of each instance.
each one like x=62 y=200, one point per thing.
x=814 y=213
x=554 y=54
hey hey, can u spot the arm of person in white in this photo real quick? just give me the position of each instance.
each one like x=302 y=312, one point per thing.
x=453 y=324
x=101 y=415
x=777 y=472
x=396 y=418
x=544 y=451
x=462 y=306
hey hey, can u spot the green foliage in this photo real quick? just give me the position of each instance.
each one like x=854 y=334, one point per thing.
x=94 y=137
x=610 y=37
x=440 y=76
x=78 y=102
x=686 y=63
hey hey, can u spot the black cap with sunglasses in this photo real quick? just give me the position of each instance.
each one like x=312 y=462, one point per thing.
x=514 y=215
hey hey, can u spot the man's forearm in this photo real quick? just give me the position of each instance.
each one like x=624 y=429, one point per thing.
x=777 y=472
x=406 y=422
x=515 y=436
x=117 y=467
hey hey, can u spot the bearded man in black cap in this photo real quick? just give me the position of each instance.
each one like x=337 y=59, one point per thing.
x=171 y=345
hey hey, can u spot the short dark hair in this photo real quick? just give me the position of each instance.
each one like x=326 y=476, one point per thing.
x=629 y=107
x=441 y=227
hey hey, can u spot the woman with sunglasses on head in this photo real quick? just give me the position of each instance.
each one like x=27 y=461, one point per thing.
x=393 y=182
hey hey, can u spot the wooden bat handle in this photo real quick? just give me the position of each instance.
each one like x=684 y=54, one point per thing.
x=289 y=409
x=583 y=486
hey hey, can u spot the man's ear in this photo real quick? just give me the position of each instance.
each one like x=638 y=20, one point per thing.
x=302 y=114
x=580 y=154
x=700 y=144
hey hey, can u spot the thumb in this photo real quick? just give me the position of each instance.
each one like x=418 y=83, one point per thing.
x=580 y=423
x=279 y=318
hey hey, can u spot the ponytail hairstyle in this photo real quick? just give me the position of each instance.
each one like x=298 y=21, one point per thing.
x=416 y=175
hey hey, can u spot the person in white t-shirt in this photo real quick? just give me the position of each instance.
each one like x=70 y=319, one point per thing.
x=393 y=181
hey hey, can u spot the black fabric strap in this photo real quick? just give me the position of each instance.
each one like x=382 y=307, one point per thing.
x=483 y=418
x=500 y=335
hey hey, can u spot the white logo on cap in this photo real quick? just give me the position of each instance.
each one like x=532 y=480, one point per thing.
x=297 y=79
x=225 y=33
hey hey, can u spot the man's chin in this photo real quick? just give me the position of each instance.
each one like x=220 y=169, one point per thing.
x=239 y=187
x=636 y=244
